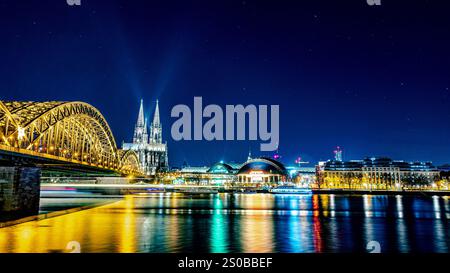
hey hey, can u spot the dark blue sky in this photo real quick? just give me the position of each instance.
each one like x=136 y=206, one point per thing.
x=374 y=80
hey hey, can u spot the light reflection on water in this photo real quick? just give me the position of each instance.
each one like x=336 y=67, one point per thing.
x=169 y=222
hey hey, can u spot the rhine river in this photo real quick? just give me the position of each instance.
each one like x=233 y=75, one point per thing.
x=225 y=222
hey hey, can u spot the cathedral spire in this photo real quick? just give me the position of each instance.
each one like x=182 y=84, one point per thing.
x=139 y=134
x=155 y=128
x=156 y=115
x=140 y=121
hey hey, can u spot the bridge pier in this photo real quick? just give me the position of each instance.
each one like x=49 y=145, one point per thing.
x=19 y=192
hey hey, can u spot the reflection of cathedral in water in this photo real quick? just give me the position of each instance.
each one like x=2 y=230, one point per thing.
x=152 y=152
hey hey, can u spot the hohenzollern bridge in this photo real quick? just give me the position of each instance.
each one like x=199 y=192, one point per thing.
x=69 y=135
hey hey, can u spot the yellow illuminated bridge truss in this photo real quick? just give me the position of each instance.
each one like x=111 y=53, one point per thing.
x=74 y=132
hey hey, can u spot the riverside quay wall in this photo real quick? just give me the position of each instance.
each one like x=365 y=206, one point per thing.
x=19 y=192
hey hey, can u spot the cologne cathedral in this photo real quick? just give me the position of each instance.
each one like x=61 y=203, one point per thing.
x=150 y=148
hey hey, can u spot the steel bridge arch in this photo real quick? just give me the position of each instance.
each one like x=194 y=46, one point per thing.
x=130 y=161
x=68 y=131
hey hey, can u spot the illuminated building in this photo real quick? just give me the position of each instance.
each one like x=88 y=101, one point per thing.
x=376 y=174
x=223 y=173
x=444 y=181
x=302 y=176
x=190 y=169
x=261 y=171
x=255 y=172
x=152 y=152
x=218 y=174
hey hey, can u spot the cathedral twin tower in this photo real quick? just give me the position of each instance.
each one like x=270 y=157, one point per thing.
x=150 y=148
x=140 y=131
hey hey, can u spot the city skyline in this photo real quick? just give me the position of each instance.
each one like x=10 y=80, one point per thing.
x=278 y=156
x=356 y=79
x=221 y=135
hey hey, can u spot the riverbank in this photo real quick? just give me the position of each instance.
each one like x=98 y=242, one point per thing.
x=49 y=215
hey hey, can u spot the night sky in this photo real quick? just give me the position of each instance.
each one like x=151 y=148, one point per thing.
x=372 y=79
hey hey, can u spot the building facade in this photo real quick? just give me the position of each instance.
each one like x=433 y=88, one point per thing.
x=219 y=174
x=261 y=171
x=148 y=144
x=302 y=176
x=257 y=172
x=376 y=174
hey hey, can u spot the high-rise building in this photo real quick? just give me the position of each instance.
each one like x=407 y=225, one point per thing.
x=150 y=148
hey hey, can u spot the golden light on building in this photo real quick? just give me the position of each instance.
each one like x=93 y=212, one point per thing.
x=260 y=171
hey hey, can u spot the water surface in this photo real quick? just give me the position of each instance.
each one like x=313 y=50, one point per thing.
x=170 y=222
